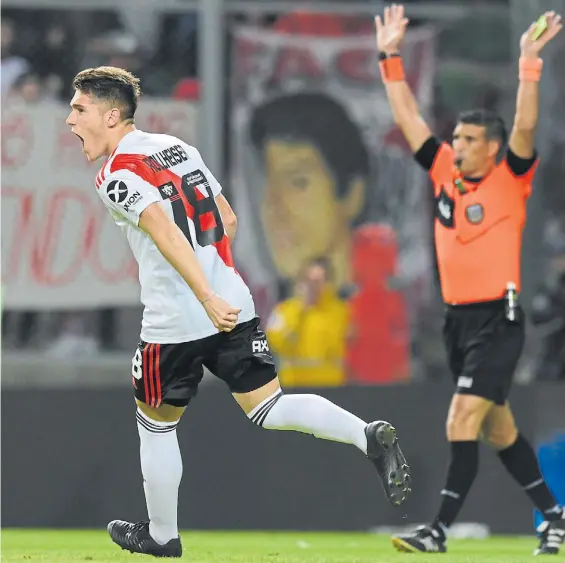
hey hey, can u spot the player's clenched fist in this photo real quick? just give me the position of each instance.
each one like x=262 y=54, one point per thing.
x=391 y=29
x=223 y=315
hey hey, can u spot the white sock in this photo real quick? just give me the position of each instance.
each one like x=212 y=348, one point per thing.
x=310 y=414
x=161 y=465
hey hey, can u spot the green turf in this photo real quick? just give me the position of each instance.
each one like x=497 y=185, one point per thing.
x=54 y=546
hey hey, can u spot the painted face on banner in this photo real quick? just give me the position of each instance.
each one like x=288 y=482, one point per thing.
x=302 y=214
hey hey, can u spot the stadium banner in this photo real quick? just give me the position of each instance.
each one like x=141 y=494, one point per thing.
x=60 y=247
x=318 y=168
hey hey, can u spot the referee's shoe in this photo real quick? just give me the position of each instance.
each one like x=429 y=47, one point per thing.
x=385 y=453
x=137 y=539
x=552 y=535
x=426 y=539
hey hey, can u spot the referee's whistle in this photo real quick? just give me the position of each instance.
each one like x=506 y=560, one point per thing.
x=511 y=301
x=459 y=185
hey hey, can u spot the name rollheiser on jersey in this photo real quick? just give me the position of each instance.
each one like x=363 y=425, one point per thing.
x=166 y=158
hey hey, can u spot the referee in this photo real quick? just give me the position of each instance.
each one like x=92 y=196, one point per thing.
x=480 y=214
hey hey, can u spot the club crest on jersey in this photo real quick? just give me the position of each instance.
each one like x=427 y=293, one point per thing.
x=475 y=213
x=117 y=191
x=445 y=209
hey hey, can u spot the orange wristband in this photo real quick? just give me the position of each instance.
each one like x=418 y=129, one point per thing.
x=529 y=70
x=392 y=69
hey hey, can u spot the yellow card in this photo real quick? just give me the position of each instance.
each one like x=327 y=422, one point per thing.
x=541 y=27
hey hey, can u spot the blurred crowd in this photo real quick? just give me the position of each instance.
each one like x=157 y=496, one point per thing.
x=39 y=63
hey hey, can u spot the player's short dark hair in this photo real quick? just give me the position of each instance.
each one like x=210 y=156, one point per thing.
x=114 y=85
x=320 y=120
x=495 y=130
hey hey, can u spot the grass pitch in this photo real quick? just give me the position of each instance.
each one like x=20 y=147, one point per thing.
x=67 y=546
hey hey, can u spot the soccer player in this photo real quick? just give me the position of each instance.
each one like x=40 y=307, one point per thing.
x=480 y=214
x=198 y=311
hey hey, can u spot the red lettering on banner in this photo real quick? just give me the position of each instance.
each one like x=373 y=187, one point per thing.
x=294 y=62
x=15 y=253
x=169 y=120
x=246 y=57
x=357 y=65
x=124 y=268
x=17 y=140
x=44 y=250
x=69 y=153
x=56 y=240
x=156 y=123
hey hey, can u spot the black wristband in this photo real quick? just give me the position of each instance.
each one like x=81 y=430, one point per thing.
x=383 y=55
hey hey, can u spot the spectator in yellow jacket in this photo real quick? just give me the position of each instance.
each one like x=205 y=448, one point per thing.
x=308 y=332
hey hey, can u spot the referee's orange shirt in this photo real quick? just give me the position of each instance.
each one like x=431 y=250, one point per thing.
x=478 y=234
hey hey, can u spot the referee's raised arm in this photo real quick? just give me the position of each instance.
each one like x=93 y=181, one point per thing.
x=521 y=141
x=390 y=32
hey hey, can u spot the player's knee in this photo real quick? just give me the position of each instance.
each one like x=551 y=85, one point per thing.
x=463 y=424
x=500 y=438
x=258 y=415
x=164 y=413
x=252 y=400
x=466 y=416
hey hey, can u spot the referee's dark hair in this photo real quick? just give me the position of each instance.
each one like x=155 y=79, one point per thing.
x=495 y=130
x=320 y=120
x=112 y=84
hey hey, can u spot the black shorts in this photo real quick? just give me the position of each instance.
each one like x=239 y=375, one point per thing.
x=171 y=373
x=483 y=348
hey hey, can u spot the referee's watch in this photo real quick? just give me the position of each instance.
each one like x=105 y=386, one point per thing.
x=383 y=56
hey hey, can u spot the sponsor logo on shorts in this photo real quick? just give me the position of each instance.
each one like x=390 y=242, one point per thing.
x=260 y=346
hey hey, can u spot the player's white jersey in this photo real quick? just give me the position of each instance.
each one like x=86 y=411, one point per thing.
x=146 y=168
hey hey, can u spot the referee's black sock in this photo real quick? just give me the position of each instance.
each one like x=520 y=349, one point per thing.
x=521 y=462
x=462 y=471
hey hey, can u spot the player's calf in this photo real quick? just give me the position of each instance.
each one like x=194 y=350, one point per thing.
x=161 y=466
x=323 y=419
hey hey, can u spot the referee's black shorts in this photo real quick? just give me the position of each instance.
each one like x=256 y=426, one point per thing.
x=483 y=348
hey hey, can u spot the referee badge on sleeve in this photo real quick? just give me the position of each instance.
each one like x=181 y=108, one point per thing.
x=475 y=213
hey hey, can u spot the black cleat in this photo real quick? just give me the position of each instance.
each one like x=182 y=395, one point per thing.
x=136 y=539
x=552 y=535
x=425 y=540
x=385 y=453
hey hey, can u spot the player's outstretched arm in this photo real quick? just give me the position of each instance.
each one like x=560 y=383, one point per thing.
x=174 y=246
x=390 y=32
x=521 y=141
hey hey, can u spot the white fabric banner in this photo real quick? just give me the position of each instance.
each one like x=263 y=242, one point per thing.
x=312 y=112
x=60 y=247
